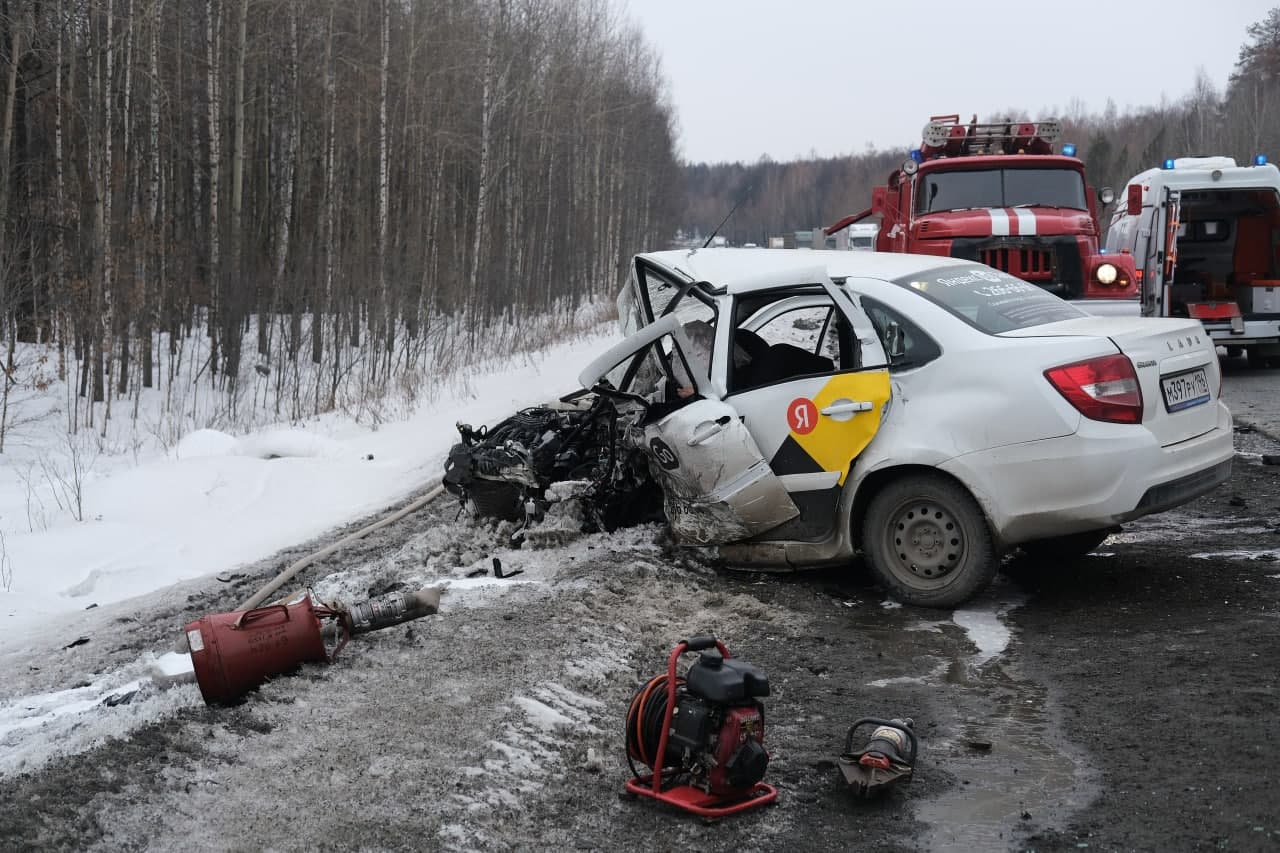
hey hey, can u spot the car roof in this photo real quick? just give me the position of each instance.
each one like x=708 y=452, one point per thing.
x=741 y=270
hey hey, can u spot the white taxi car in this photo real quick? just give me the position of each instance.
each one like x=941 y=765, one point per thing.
x=932 y=413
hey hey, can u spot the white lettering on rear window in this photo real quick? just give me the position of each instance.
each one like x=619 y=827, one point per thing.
x=972 y=277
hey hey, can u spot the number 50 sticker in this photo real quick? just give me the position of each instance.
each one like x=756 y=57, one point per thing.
x=802 y=416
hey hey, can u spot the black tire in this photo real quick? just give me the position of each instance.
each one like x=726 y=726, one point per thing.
x=928 y=542
x=1064 y=549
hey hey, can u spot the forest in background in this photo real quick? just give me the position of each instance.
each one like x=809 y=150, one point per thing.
x=776 y=198
x=309 y=204
x=343 y=188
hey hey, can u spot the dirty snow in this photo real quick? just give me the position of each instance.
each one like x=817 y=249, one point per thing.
x=215 y=501
x=38 y=728
x=1269 y=556
x=212 y=502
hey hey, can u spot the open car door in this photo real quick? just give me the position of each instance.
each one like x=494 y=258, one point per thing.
x=1166 y=252
x=814 y=391
x=649 y=293
x=717 y=486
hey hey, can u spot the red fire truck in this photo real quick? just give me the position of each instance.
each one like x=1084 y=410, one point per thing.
x=997 y=193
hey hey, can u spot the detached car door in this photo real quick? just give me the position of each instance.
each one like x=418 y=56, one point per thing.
x=811 y=388
x=716 y=484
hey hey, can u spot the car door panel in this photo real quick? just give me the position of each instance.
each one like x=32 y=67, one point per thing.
x=717 y=485
x=816 y=424
x=812 y=428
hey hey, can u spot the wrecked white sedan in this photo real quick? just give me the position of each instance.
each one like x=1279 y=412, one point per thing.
x=797 y=407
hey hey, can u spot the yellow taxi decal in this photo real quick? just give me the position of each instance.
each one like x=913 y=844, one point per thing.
x=833 y=440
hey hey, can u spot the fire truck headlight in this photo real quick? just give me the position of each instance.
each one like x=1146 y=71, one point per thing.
x=1106 y=274
x=910 y=166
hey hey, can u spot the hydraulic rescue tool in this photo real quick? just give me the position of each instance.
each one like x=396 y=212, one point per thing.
x=887 y=758
x=233 y=653
x=701 y=735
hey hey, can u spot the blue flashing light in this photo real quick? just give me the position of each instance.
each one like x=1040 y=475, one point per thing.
x=1260 y=159
x=1168 y=162
x=1102 y=251
x=917 y=155
x=1069 y=150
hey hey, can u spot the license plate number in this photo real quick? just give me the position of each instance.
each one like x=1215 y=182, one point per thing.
x=1184 y=390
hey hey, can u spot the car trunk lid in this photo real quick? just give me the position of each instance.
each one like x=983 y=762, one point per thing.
x=1176 y=363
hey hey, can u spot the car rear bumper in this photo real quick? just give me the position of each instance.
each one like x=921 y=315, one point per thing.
x=1253 y=332
x=1102 y=475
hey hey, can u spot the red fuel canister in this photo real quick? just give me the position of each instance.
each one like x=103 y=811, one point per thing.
x=235 y=652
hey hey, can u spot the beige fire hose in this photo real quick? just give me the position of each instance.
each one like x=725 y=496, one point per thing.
x=285 y=576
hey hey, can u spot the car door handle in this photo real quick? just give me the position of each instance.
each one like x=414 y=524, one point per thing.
x=848 y=407
x=706 y=431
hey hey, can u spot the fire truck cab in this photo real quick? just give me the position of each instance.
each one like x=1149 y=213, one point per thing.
x=1206 y=236
x=998 y=194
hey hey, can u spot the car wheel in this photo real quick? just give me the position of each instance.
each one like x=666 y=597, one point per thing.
x=928 y=542
x=1064 y=549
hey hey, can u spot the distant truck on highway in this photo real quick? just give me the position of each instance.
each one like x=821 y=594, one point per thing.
x=1205 y=233
x=997 y=193
x=862 y=236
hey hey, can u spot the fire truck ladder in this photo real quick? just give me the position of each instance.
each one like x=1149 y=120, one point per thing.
x=945 y=136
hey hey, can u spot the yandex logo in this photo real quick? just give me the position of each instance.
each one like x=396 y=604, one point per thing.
x=802 y=416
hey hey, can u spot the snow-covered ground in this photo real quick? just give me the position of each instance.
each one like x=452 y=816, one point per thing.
x=154 y=515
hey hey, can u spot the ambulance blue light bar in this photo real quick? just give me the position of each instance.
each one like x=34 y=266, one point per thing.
x=1260 y=159
x=1168 y=162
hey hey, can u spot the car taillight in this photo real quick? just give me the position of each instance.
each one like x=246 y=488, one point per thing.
x=1102 y=389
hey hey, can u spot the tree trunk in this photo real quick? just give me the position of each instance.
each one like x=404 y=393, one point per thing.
x=324 y=305
x=60 y=191
x=287 y=172
x=154 y=235
x=213 y=165
x=488 y=97
x=235 y=306
x=385 y=307
x=16 y=49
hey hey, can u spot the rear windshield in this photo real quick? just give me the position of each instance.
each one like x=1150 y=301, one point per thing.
x=988 y=299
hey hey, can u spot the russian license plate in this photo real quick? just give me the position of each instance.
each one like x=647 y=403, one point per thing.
x=1184 y=390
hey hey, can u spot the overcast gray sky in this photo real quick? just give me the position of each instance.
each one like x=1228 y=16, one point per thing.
x=787 y=79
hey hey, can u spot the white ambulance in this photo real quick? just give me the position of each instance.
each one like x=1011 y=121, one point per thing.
x=1205 y=236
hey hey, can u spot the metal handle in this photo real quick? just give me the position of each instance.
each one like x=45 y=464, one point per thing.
x=709 y=430
x=257 y=613
x=848 y=407
x=699 y=644
x=903 y=726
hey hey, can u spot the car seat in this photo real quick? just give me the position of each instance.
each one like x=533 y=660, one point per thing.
x=752 y=344
x=781 y=362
